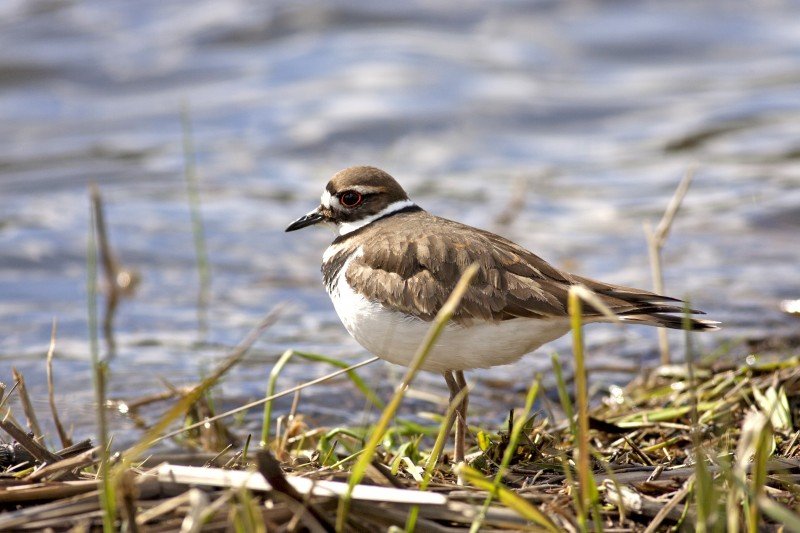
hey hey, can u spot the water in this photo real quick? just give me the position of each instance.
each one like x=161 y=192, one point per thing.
x=593 y=111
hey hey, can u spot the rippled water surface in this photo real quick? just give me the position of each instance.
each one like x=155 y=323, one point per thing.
x=588 y=112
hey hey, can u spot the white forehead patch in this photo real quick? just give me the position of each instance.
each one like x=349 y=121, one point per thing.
x=326 y=199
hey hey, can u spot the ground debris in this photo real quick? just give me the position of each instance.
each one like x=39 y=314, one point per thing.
x=667 y=448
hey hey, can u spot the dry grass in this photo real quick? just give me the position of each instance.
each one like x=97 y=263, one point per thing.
x=710 y=448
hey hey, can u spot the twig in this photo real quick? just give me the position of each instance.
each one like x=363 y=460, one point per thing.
x=120 y=282
x=665 y=511
x=66 y=441
x=163 y=508
x=655 y=243
x=109 y=265
x=270 y=468
x=129 y=406
x=289 y=420
x=27 y=406
x=56 y=470
x=34 y=448
x=128 y=493
x=519 y=190
x=4 y=397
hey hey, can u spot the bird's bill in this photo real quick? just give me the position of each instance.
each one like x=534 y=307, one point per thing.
x=309 y=219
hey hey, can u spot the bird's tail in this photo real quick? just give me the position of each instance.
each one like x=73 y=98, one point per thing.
x=638 y=306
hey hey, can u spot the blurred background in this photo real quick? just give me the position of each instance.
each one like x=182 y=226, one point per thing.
x=565 y=126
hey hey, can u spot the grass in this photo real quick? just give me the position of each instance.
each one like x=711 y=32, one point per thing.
x=276 y=370
x=198 y=229
x=495 y=488
x=99 y=374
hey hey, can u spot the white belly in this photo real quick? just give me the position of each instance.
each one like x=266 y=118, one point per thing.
x=396 y=337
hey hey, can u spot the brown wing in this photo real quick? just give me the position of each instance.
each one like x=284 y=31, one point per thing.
x=414 y=267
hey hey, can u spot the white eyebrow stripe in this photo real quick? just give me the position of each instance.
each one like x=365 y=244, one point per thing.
x=365 y=189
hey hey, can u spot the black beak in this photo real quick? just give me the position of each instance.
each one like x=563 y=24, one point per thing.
x=309 y=219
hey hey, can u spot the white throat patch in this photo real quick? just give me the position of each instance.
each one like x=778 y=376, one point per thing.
x=348 y=227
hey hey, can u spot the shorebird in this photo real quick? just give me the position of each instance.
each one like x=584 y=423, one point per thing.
x=393 y=265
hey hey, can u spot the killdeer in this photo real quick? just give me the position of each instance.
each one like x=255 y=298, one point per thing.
x=393 y=265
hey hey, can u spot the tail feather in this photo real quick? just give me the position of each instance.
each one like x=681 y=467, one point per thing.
x=672 y=321
x=655 y=308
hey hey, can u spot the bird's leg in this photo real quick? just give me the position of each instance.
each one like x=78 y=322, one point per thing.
x=453 y=386
x=461 y=416
x=456 y=383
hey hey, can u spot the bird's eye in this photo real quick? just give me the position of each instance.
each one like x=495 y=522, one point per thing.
x=350 y=198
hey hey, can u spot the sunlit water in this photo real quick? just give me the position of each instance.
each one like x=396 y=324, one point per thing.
x=593 y=111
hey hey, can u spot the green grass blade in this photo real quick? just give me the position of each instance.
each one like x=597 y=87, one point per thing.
x=100 y=370
x=273 y=377
x=365 y=389
x=430 y=464
x=198 y=231
x=508 y=498
x=763 y=450
x=563 y=395
x=780 y=513
x=588 y=495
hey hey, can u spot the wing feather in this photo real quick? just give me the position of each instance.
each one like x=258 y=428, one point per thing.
x=415 y=266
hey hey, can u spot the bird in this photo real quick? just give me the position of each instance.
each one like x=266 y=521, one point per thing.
x=393 y=265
